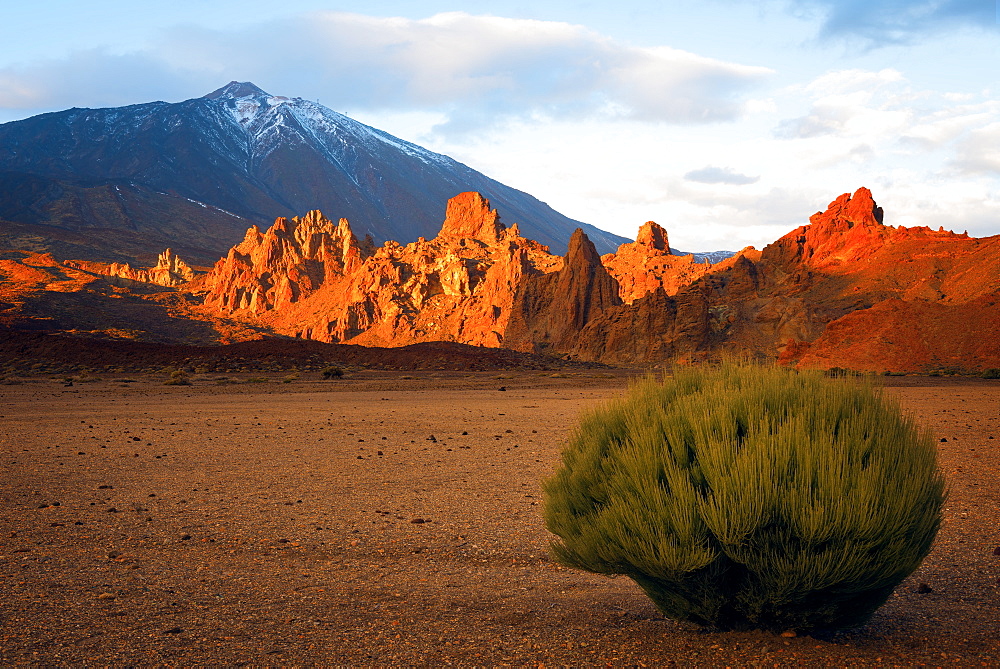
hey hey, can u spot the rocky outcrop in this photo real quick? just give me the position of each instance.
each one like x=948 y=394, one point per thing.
x=169 y=271
x=849 y=231
x=292 y=259
x=550 y=311
x=310 y=279
x=846 y=290
x=646 y=265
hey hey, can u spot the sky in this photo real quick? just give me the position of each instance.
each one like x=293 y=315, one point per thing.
x=728 y=123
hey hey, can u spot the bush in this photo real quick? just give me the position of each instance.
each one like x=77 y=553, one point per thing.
x=178 y=377
x=991 y=373
x=750 y=497
x=332 y=373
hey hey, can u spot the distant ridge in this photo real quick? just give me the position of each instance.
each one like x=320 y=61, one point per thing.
x=194 y=174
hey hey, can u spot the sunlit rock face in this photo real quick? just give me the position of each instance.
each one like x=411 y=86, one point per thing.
x=169 y=270
x=309 y=278
x=846 y=290
x=647 y=264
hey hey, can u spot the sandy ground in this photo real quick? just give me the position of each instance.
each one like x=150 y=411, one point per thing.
x=385 y=520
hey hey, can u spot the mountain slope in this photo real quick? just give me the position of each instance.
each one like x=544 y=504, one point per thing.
x=254 y=156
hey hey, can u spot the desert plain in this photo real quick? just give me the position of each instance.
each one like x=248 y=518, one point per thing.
x=391 y=518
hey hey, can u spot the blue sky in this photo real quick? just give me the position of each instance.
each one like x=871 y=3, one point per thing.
x=727 y=122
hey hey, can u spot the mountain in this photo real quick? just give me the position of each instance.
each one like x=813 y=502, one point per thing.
x=195 y=174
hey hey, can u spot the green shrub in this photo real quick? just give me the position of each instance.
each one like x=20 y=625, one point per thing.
x=750 y=497
x=178 y=377
x=332 y=373
x=991 y=373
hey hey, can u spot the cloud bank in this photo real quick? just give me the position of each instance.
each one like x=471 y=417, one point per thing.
x=477 y=69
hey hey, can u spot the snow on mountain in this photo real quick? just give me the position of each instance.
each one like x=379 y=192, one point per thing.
x=255 y=155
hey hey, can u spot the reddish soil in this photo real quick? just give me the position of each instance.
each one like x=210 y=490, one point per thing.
x=394 y=519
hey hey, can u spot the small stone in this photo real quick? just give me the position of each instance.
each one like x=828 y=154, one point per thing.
x=996 y=551
x=789 y=634
x=185 y=537
x=173 y=630
x=923 y=589
x=418 y=521
x=502 y=389
x=943 y=439
x=105 y=595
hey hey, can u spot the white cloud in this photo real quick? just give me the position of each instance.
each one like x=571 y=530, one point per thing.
x=477 y=70
x=89 y=77
x=979 y=151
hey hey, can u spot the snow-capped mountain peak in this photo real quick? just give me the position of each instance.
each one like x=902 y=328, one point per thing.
x=237 y=89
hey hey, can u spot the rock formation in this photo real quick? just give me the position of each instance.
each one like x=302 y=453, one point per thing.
x=549 y=311
x=646 y=264
x=846 y=290
x=169 y=270
x=309 y=279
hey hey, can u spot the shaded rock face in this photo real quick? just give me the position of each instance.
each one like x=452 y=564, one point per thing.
x=550 y=311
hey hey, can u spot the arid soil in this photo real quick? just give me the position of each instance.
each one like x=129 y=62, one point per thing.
x=391 y=518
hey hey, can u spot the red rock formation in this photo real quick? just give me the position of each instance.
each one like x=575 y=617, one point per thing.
x=646 y=265
x=846 y=290
x=306 y=279
x=848 y=231
x=289 y=261
x=169 y=271
x=550 y=311
x=469 y=216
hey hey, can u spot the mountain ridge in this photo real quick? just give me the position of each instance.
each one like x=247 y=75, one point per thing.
x=255 y=156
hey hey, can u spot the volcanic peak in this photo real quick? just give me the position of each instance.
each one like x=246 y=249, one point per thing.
x=237 y=89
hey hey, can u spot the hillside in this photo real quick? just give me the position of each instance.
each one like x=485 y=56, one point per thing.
x=195 y=174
